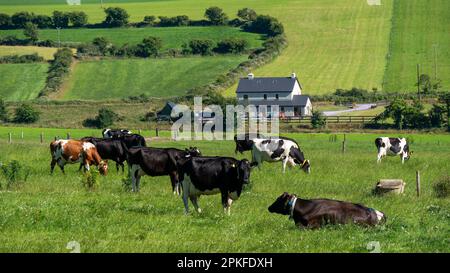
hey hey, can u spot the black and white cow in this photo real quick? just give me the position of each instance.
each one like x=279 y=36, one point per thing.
x=245 y=142
x=156 y=162
x=213 y=175
x=392 y=147
x=275 y=149
x=109 y=133
x=314 y=213
x=107 y=148
x=132 y=140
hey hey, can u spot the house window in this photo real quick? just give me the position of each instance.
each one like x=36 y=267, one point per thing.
x=276 y=97
x=245 y=97
x=282 y=108
x=265 y=97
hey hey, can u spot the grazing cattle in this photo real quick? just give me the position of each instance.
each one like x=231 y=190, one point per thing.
x=245 y=142
x=156 y=162
x=107 y=148
x=315 y=213
x=392 y=147
x=76 y=151
x=275 y=149
x=132 y=140
x=110 y=133
x=212 y=175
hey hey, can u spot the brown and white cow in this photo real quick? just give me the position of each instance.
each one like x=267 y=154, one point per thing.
x=68 y=151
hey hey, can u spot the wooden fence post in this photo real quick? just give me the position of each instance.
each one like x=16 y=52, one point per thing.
x=344 y=143
x=157 y=131
x=418 y=183
x=21 y=135
x=68 y=135
x=9 y=138
x=42 y=137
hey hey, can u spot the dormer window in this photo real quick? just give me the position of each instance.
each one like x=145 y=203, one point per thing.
x=265 y=97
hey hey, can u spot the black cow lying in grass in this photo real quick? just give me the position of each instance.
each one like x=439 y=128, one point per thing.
x=315 y=213
x=212 y=175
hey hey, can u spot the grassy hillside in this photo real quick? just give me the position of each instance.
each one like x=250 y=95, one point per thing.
x=97 y=80
x=48 y=211
x=172 y=37
x=45 y=52
x=332 y=44
x=21 y=81
x=418 y=27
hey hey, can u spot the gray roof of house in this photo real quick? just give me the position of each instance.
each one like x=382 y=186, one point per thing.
x=269 y=84
x=297 y=100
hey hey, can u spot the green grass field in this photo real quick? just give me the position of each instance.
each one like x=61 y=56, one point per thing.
x=172 y=37
x=48 y=211
x=420 y=35
x=45 y=52
x=97 y=80
x=21 y=81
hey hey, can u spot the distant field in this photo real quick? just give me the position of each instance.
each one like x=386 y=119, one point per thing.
x=21 y=81
x=97 y=80
x=45 y=52
x=418 y=27
x=332 y=44
x=172 y=37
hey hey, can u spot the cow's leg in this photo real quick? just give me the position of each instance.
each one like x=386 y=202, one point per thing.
x=185 y=185
x=117 y=167
x=175 y=183
x=194 y=200
x=61 y=166
x=225 y=204
x=402 y=156
x=132 y=171
x=285 y=161
x=52 y=165
x=138 y=181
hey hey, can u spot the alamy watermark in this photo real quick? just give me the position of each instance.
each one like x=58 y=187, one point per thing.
x=211 y=122
x=374 y=247
x=74 y=246
x=374 y=2
x=73 y=2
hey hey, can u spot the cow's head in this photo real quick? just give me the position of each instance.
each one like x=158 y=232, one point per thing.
x=243 y=169
x=281 y=205
x=406 y=152
x=103 y=167
x=242 y=145
x=193 y=151
x=299 y=158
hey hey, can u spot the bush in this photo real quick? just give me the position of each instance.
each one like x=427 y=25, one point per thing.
x=150 y=20
x=202 y=47
x=14 y=173
x=25 y=113
x=180 y=20
x=150 y=46
x=31 y=32
x=102 y=44
x=42 y=21
x=59 y=67
x=19 y=19
x=5 y=21
x=247 y=14
x=318 y=120
x=104 y=119
x=30 y=58
x=265 y=24
x=116 y=17
x=216 y=16
x=149 y=116
x=60 y=19
x=3 y=111
x=78 y=18
x=234 y=46
x=89 y=180
x=442 y=187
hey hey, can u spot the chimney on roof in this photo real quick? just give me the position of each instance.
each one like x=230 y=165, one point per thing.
x=293 y=75
x=250 y=76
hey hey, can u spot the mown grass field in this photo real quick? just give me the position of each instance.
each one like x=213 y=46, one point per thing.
x=98 y=80
x=46 y=212
x=332 y=44
x=172 y=37
x=22 y=81
x=420 y=35
x=44 y=52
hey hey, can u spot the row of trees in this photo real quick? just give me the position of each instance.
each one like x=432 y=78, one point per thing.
x=59 y=68
x=58 y=19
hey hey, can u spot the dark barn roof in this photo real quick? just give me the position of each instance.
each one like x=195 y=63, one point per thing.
x=269 y=84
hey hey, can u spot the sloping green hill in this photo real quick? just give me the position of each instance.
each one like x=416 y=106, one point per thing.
x=22 y=81
x=109 y=79
x=420 y=35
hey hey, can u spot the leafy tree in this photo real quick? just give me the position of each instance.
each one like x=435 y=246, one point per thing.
x=318 y=120
x=25 y=113
x=247 y=14
x=78 y=18
x=150 y=20
x=60 y=19
x=31 y=32
x=445 y=99
x=436 y=115
x=102 y=44
x=106 y=117
x=3 y=111
x=202 y=47
x=116 y=17
x=265 y=24
x=42 y=21
x=235 y=46
x=427 y=85
x=216 y=16
x=150 y=46
x=5 y=21
x=19 y=19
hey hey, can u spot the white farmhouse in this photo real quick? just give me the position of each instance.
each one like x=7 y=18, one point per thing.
x=286 y=92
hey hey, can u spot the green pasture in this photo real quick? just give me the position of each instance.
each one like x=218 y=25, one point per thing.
x=22 y=81
x=48 y=211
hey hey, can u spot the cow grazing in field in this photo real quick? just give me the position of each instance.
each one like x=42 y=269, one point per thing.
x=110 y=133
x=70 y=151
x=132 y=140
x=212 y=175
x=245 y=142
x=275 y=149
x=107 y=148
x=392 y=147
x=156 y=162
x=315 y=213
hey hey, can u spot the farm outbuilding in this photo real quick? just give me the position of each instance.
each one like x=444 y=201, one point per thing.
x=165 y=113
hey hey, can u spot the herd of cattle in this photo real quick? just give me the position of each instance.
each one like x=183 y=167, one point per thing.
x=193 y=175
